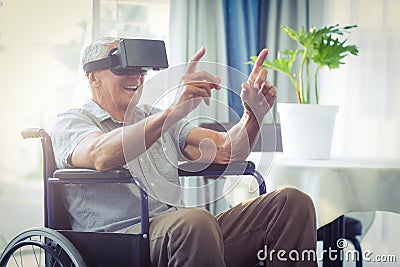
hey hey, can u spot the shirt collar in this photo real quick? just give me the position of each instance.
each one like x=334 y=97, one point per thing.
x=96 y=110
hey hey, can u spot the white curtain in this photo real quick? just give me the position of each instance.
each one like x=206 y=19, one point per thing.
x=367 y=87
x=194 y=24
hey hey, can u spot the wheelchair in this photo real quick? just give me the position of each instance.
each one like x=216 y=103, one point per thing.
x=57 y=245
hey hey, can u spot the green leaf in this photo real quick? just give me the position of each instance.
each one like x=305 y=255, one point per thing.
x=330 y=52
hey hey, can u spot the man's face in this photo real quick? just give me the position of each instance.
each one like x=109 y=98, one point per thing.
x=114 y=92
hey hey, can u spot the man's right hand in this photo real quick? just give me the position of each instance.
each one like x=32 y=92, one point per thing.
x=197 y=86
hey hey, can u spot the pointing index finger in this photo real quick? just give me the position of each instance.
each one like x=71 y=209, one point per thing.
x=258 y=65
x=193 y=63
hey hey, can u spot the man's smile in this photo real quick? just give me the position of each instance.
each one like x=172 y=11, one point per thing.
x=131 y=87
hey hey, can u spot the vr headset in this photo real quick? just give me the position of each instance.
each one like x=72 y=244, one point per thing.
x=132 y=55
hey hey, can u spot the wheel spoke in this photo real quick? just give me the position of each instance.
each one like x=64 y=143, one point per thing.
x=16 y=262
x=40 y=256
x=20 y=256
x=34 y=253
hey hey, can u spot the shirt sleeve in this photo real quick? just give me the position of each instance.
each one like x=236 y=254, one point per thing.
x=181 y=130
x=68 y=131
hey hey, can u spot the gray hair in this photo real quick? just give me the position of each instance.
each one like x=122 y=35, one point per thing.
x=97 y=49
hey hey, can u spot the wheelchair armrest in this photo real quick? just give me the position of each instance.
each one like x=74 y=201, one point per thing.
x=216 y=170
x=91 y=174
x=204 y=169
x=87 y=176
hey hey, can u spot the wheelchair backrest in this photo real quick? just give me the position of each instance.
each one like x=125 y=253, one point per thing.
x=53 y=206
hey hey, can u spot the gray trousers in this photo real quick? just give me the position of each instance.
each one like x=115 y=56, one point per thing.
x=279 y=227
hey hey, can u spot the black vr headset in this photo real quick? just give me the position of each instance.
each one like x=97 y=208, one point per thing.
x=132 y=55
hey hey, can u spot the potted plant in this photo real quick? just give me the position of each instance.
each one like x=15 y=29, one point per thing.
x=307 y=130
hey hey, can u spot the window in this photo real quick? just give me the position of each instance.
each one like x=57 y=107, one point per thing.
x=366 y=88
x=134 y=18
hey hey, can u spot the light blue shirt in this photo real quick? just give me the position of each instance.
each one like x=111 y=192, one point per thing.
x=115 y=207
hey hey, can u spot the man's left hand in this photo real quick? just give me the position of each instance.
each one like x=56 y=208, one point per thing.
x=258 y=95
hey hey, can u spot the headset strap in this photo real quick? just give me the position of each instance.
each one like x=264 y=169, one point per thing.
x=100 y=64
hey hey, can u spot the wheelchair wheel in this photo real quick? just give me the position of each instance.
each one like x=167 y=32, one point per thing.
x=41 y=247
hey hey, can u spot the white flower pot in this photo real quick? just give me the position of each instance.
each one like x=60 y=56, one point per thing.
x=307 y=130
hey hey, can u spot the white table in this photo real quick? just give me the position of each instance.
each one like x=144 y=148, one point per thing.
x=337 y=186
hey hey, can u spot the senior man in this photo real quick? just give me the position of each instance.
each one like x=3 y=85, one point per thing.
x=91 y=137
